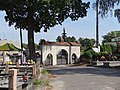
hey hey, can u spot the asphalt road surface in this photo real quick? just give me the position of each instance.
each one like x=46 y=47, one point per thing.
x=85 y=78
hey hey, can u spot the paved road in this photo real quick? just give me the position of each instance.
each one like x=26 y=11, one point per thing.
x=85 y=78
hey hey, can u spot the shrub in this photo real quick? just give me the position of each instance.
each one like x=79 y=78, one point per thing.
x=46 y=82
x=108 y=48
x=42 y=82
x=87 y=56
x=89 y=53
x=103 y=53
x=44 y=71
x=38 y=82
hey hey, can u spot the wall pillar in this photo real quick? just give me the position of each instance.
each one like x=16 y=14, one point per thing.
x=54 y=59
x=12 y=79
x=17 y=65
x=69 y=59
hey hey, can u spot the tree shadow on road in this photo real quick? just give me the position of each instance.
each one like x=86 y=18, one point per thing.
x=85 y=70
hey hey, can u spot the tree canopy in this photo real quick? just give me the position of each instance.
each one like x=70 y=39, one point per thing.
x=106 y=6
x=110 y=35
x=45 y=13
x=71 y=39
x=67 y=39
x=108 y=48
x=86 y=43
x=35 y=15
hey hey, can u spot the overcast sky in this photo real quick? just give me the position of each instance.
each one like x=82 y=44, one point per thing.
x=84 y=28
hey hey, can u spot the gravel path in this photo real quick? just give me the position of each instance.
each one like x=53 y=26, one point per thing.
x=85 y=78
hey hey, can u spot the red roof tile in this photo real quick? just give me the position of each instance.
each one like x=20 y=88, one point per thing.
x=62 y=43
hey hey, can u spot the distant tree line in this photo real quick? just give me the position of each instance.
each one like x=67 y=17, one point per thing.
x=87 y=43
x=67 y=39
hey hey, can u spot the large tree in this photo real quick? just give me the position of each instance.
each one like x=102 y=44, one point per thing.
x=103 y=7
x=35 y=15
x=106 y=6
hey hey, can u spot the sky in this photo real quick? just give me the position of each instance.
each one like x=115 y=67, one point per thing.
x=84 y=27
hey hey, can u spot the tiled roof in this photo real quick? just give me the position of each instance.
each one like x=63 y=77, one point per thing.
x=62 y=43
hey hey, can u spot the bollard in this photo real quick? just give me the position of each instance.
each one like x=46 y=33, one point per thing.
x=12 y=79
x=17 y=65
x=34 y=71
x=6 y=68
x=38 y=70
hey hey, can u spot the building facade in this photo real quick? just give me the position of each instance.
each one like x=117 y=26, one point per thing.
x=59 y=53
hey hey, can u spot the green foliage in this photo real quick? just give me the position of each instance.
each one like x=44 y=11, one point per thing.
x=38 y=82
x=110 y=35
x=46 y=82
x=41 y=82
x=118 y=48
x=87 y=56
x=89 y=53
x=117 y=14
x=108 y=48
x=86 y=43
x=103 y=53
x=114 y=48
x=80 y=39
x=44 y=71
x=71 y=39
x=45 y=13
x=37 y=15
x=107 y=6
x=67 y=39
x=58 y=39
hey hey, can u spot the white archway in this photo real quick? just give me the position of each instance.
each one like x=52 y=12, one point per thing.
x=56 y=48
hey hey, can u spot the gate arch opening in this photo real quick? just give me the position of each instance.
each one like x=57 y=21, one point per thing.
x=49 y=59
x=74 y=58
x=62 y=57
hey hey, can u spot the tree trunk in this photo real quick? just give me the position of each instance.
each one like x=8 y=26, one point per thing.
x=21 y=40
x=21 y=46
x=31 y=44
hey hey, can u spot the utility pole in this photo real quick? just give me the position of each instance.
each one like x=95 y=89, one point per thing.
x=97 y=24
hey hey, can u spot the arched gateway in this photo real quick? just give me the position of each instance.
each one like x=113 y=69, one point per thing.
x=59 y=53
